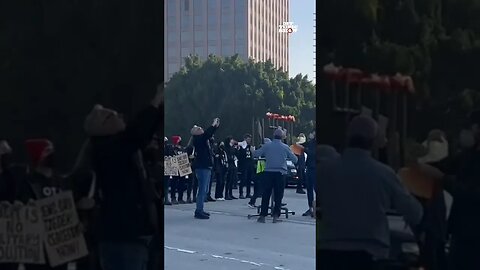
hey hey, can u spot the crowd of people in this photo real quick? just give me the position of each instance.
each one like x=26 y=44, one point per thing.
x=239 y=166
x=357 y=192
x=116 y=199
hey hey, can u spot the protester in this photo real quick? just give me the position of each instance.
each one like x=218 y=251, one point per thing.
x=85 y=191
x=299 y=150
x=178 y=184
x=8 y=183
x=168 y=152
x=192 y=182
x=311 y=175
x=424 y=182
x=231 y=151
x=324 y=155
x=246 y=165
x=221 y=167
x=128 y=220
x=258 y=178
x=463 y=223
x=203 y=163
x=9 y=186
x=43 y=180
x=276 y=154
x=213 y=145
x=355 y=192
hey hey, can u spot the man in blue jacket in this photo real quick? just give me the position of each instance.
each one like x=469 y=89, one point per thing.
x=276 y=154
x=355 y=192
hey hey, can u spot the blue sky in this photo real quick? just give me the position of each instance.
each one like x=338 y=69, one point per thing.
x=301 y=43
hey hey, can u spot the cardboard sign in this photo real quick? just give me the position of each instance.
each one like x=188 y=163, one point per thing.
x=170 y=166
x=64 y=241
x=183 y=165
x=21 y=231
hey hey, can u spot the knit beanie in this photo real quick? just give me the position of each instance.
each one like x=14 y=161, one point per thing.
x=176 y=140
x=38 y=150
x=95 y=123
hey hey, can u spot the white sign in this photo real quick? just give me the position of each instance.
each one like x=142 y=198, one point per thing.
x=21 y=233
x=64 y=241
x=170 y=166
x=287 y=27
x=183 y=165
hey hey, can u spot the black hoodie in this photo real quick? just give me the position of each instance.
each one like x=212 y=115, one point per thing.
x=125 y=213
x=203 y=152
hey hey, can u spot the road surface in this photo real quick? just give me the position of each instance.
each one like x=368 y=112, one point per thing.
x=229 y=240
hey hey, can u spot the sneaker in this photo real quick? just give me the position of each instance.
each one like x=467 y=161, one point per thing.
x=301 y=191
x=307 y=213
x=276 y=219
x=168 y=202
x=248 y=196
x=220 y=199
x=261 y=219
x=201 y=216
x=174 y=201
x=228 y=198
x=242 y=197
x=251 y=205
x=181 y=202
x=234 y=198
x=206 y=213
x=210 y=199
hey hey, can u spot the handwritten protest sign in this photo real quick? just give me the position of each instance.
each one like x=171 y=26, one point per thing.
x=170 y=166
x=21 y=229
x=64 y=241
x=183 y=164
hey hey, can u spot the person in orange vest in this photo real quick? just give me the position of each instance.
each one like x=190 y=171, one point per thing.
x=424 y=181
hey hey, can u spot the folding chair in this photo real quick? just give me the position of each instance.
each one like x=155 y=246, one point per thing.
x=283 y=210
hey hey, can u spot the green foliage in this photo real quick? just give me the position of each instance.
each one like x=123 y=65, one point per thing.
x=237 y=92
x=437 y=42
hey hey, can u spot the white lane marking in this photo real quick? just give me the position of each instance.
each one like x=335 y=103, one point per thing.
x=181 y=250
x=226 y=258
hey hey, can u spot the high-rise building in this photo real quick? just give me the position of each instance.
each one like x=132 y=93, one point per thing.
x=249 y=28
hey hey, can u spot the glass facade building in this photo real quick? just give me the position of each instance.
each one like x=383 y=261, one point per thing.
x=248 y=28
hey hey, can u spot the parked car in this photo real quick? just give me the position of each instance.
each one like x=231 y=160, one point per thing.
x=292 y=174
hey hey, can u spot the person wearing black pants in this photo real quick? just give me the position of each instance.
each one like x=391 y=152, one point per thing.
x=231 y=168
x=220 y=171
x=247 y=166
x=272 y=181
x=276 y=154
x=325 y=153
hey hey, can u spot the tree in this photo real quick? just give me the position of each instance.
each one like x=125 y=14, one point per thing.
x=237 y=92
x=436 y=42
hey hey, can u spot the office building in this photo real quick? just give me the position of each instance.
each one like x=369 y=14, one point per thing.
x=249 y=28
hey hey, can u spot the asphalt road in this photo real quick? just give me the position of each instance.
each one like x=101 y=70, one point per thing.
x=229 y=240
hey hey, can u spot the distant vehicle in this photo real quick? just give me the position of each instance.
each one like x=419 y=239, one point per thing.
x=292 y=174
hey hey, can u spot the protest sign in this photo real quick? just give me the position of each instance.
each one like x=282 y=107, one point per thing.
x=183 y=164
x=170 y=166
x=64 y=241
x=21 y=231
